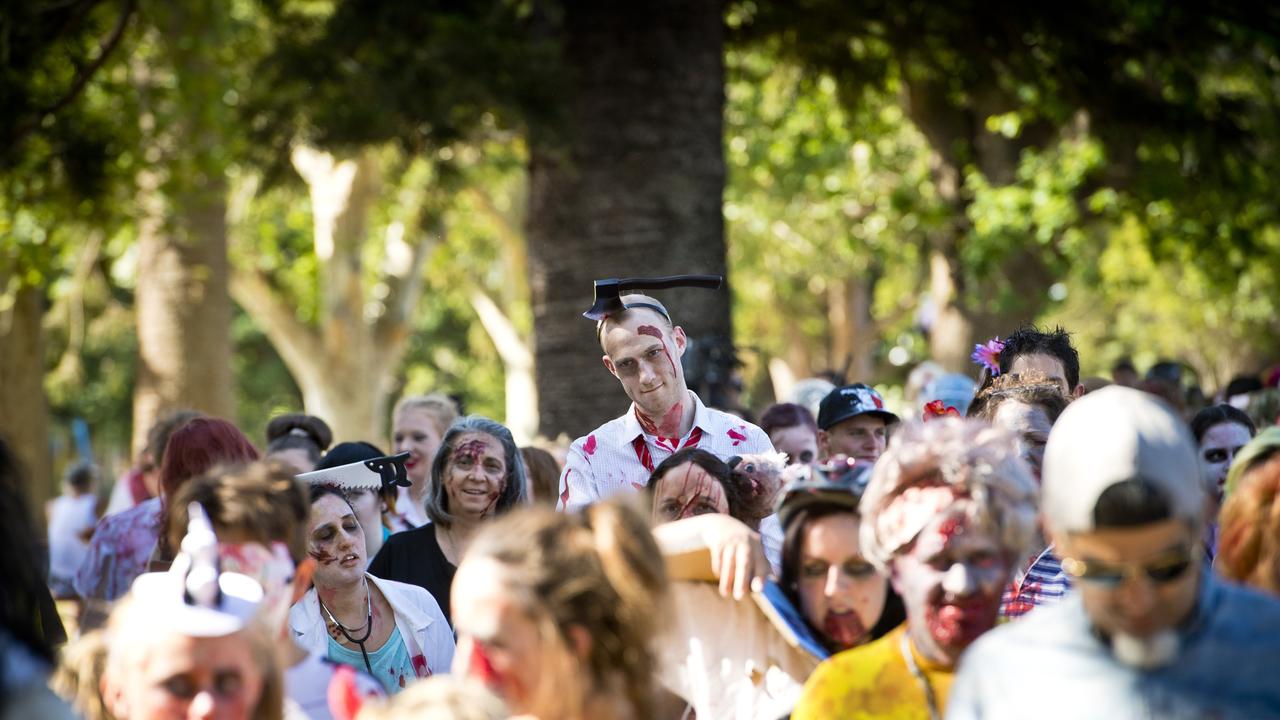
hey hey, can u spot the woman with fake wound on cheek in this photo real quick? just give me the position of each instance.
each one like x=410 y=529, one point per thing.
x=477 y=475
x=393 y=631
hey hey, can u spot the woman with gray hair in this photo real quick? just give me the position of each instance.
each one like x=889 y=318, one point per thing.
x=477 y=475
x=949 y=510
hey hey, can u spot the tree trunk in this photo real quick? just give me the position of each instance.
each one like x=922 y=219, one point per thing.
x=633 y=188
x=344 y=366
x=183 y=310
x=853 y=330
x=24 y=424
x=182 y=304
x=517 y=364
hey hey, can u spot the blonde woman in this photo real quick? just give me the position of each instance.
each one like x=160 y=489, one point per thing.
x=418 y=424
x=557 y=613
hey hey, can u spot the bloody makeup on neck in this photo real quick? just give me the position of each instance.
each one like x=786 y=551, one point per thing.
x=951 y=578
x=685 y=491
x=667 y=426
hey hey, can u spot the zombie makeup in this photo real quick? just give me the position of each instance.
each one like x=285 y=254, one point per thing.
x=799 y=442
x=685 y=491
x=951 y=579
x=841 y=595
x=1030 y=426
x=273 y=569
x=1218 y=448
x=498 y=642
x=336 y=541
x=368 y=507
x=760 y=476
x=654 y=332
x=475 y=475
x=644 y=359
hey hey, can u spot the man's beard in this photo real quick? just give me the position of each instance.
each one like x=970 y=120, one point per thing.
x=1146 y=653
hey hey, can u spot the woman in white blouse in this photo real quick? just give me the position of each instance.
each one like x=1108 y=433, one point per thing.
x=394 y=631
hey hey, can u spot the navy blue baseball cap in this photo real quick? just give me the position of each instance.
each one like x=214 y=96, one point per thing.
x=851 y=401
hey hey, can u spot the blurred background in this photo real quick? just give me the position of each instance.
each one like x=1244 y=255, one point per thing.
x=248 y=207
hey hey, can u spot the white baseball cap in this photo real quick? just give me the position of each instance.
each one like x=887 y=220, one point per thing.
x=194 y=598
x=1109 y=436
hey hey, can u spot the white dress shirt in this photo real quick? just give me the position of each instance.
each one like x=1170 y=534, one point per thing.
x=619 y=456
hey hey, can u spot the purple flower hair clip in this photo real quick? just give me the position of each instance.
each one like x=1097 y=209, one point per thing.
x=988 y=355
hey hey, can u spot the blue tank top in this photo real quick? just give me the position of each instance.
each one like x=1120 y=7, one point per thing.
x=391 y=664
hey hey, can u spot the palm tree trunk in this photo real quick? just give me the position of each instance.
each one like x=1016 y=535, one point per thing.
x=631 y=185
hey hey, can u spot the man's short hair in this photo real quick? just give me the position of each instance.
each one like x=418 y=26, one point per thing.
x=633 y=303
x=1030 y=340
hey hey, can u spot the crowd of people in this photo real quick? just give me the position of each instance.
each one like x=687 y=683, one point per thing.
x=1021 y=542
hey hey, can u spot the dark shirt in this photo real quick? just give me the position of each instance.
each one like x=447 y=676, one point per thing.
x=414 y=557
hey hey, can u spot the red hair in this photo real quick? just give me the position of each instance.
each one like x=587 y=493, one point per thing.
x=199 y=445
x=785 y=415
x=1249 y=544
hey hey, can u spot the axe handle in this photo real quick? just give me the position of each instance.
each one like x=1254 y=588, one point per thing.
x=710 y=282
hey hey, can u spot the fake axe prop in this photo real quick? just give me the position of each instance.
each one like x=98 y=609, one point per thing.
x=609 y=292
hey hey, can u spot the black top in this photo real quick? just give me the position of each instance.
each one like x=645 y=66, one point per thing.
x=414 y=557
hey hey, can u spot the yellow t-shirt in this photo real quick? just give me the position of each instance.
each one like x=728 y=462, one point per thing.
x=872 y=682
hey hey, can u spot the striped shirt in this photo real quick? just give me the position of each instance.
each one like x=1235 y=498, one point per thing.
x=619 y=457
x=1043 y=583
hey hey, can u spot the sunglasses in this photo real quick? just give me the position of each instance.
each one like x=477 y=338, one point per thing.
x=1164 y=569
x=1218 y=455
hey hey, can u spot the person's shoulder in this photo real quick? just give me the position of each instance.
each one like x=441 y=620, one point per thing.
x=414 y=602
x=398 y=592
x=1045 y=625
x=1245 y=606
x=744 y=434
x=409 y=540
x=609 y=429
x=839 y=681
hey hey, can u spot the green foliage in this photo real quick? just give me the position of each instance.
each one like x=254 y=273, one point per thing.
x=1126 y=301
x=426 y=74
x=263 y=386
x=818 y=192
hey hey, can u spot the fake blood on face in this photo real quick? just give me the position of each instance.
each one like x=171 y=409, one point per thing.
x=322 y=557
x=481 y=668
x=652 y=331
x=470 y=450
x=845 y=629
x=957 y=624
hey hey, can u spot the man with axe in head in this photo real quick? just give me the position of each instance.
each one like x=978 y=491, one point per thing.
x=642 y=348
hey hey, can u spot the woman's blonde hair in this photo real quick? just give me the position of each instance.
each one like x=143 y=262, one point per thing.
x=598 y=569
x=1249 y=537
x=442 y=411
x=78 y=677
